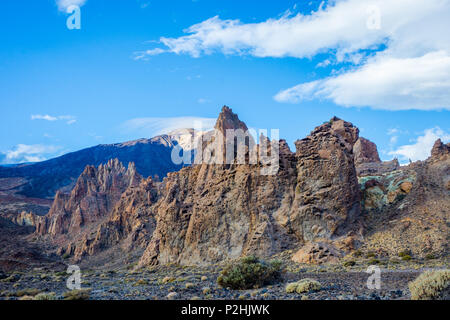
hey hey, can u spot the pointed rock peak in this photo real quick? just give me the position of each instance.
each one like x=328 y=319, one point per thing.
x=89 y=171
x=334 y=119
x=440 y=149
x=229 y=120
x=131 y=167
x=343 y=130
x=284 y=147
x=114 y=163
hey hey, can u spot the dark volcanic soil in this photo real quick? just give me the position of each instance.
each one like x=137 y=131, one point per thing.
x=189 y=283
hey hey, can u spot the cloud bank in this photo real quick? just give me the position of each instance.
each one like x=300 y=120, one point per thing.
x=149 y=127
x=27 y=153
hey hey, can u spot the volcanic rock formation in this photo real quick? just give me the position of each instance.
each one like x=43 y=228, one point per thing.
x=95 y=194
x=365 y=151
x=329 y=197
x=367 y=160
x=209 y=213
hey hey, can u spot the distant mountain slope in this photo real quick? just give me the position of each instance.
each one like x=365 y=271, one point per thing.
x=42 y=180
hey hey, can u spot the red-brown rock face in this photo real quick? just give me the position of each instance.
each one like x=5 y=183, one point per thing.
x=208 y=213
x=327 y=200
x=440 y=150
x=367 y=160
x=93 y=197
x=365 y=151
x=130 y=224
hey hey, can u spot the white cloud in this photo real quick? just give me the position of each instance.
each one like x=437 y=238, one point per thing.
x=43 y=117
x=64 y=4
x=28 y=153
x=203 y=100
x=143 y=55
x=385 y=82
x=323 y=64
x=402 y=64
x=421 y=148
x=69 y=119
x=150 y=127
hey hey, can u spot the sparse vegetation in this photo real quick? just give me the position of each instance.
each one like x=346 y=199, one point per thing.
x=65 y=256
x=394 y=261
x=431 y=285
x=349 y=263
x=357 y=253
x=404 y=253
x=12 y=278
x=373 y=261
x=167 y=280
x=45 y=296
x=82 y=294
x=303 y=286
x=141 y=282
x=250 y=272
x=206 y=290
x=189 y=285
x=27 y=292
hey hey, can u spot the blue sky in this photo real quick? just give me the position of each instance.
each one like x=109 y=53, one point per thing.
x=288 y=65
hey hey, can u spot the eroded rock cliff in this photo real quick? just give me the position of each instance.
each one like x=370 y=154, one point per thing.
x=95 y=194
x=209 y=213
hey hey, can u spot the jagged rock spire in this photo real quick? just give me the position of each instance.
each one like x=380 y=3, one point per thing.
x=229 y=120
x=440 y=149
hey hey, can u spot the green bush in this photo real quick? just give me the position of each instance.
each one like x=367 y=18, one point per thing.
x=406 y=257
x=45 y=296
x=82 y=294
x=27 y=292
x=349 y=263
x=373 y=261
x=141 y=282
x=404 y=253
x=250 y=272
x=430 y=256
x=431 y=285
x=303 y=286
